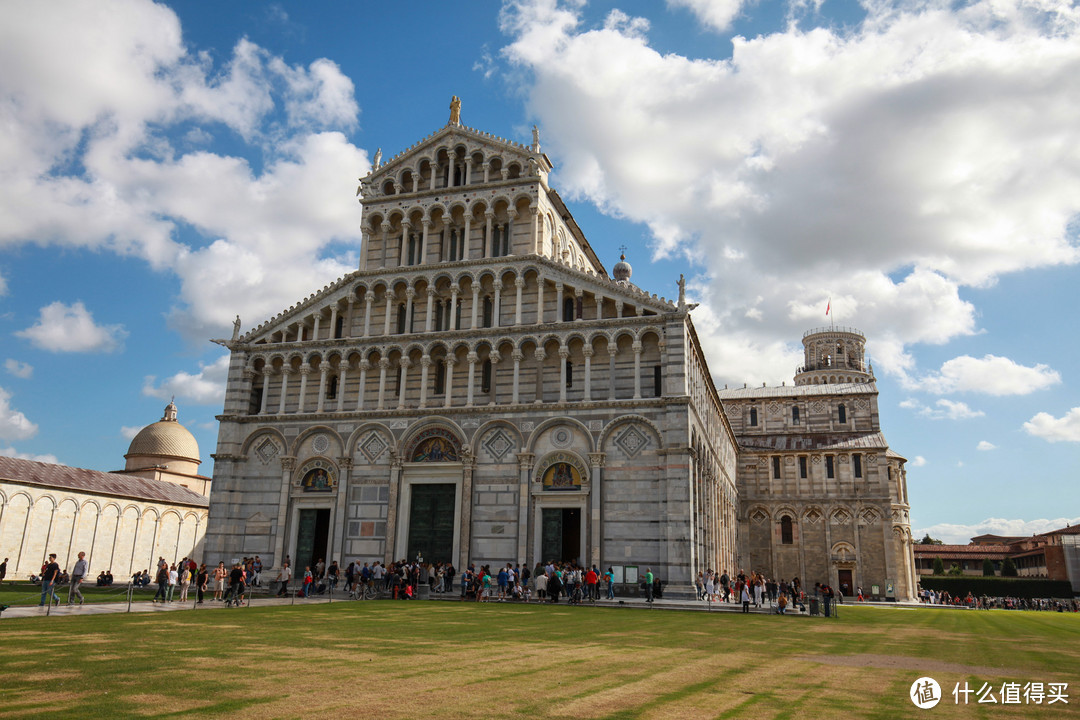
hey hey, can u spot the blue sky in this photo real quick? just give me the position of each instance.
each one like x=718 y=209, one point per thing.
x=165 y=167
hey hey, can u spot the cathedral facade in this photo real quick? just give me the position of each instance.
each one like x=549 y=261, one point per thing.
x=480 y=390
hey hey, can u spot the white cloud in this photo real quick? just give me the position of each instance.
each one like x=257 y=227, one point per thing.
x=13 y=424
x=888 y=164
x=919 y=461
x=990 y=374
x=985 y=445
x=93 y=164
x=1062 y=429
x=3 y=285
x=19 y=369
x=955 y=534
x=71 y=328
x=13 y=453
x=206 y=387
x=942 y=410
x=128 y=432
x=716 y=14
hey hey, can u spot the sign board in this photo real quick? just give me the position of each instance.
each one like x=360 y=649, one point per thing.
x=631 y=574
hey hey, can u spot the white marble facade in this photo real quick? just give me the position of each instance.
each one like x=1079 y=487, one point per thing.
x=479 y=390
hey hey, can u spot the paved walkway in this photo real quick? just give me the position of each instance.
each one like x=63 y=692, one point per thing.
x=261 y=600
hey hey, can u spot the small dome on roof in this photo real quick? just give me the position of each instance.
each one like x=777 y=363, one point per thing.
x=166 y=439
x=622 y=270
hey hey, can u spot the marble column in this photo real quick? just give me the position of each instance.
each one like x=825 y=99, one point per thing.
x=564 y=354
x=305 y=370
x=587 y=351
x=405 y=364
x=519 y=283
x=324 y=371
x=364 y=366
x=425 y=366
x=285 y=372
x=637 y=370
x=369 y=300
x=451 y=361
x=518 y=356
x=471 y=358
x=384 y=365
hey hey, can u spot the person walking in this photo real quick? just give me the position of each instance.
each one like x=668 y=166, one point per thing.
x=174 y=578
x=609 y=576
x=48 y=580
x=162 y=580
x=200 y=583
x=78 y=574
x=648 y=585
x=3 y=571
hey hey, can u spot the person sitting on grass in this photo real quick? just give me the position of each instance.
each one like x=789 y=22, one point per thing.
x=101 y=579
x=781 y=604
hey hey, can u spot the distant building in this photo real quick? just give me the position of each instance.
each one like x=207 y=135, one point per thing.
x=1053 y=555
x=123 y=520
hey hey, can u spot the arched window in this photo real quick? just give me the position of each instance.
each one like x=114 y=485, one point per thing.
x=485 y=376
x=401 y=319
x=339 y=326
x=440 y=377
x=568 y=309
x=787 y=537
x=753 y=416
x=489 y=308
x=841 y=413
x=795 y=415
x=439 y=316
x=569 y=374
x=255 y=398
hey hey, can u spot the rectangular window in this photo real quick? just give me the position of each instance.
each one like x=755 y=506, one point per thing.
x=440 y=377
x=658 y=381
x=830 y=470
x=776 y=467
x=856 y=463
x=802 y=467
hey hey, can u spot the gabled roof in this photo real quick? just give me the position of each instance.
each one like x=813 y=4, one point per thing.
x=29 y=472
x=784 y=442
x=797 y=391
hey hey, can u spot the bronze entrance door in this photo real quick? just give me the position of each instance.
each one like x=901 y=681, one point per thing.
x=560 y=535
x=312 y=533
x=431 y=521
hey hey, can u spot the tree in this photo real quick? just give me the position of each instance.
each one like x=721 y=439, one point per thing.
x=988 y=567
x=939 y=566
x=956 y=570
x=927 y=540
x=1008 y=568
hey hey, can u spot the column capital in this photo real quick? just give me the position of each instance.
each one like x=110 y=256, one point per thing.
x=519 y=282
x=564 y=352
x=384 y=363
x=637 y=346
x=526 y=460
x=490 y=215
x=495 y=356
x=288 y=462
x=305 y=369
x=472 y=358
x=345 y=462
x=597 y=459
x=539 y=354
x=587 y=350
x=370 y=296
x=410 y=292
x=325 y=369
x=517 y=355
x=450 y=361
x=386 y=226
x=363 y=365
x=426 y=361
x=432 y=292
x=455 y=289
x=249 y=373
x=405 y=362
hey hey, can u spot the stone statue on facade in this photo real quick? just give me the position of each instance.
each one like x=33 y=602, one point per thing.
x=236 y=328
x=378 y=158
x=536 y=139
x=455 y=111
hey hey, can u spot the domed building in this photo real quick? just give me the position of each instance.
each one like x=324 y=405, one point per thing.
x=156 y=507
x=166 y=450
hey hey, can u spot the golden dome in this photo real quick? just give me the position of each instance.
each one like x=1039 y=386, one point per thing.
x=165 y=439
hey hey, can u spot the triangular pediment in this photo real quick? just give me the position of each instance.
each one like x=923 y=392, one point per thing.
x=455 y=136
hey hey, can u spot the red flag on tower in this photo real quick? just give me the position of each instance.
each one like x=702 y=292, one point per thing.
x=828 y=307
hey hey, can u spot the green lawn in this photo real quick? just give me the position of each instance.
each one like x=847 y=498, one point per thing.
x=388 y=659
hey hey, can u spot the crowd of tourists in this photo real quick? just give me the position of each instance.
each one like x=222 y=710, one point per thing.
x=985 y=602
